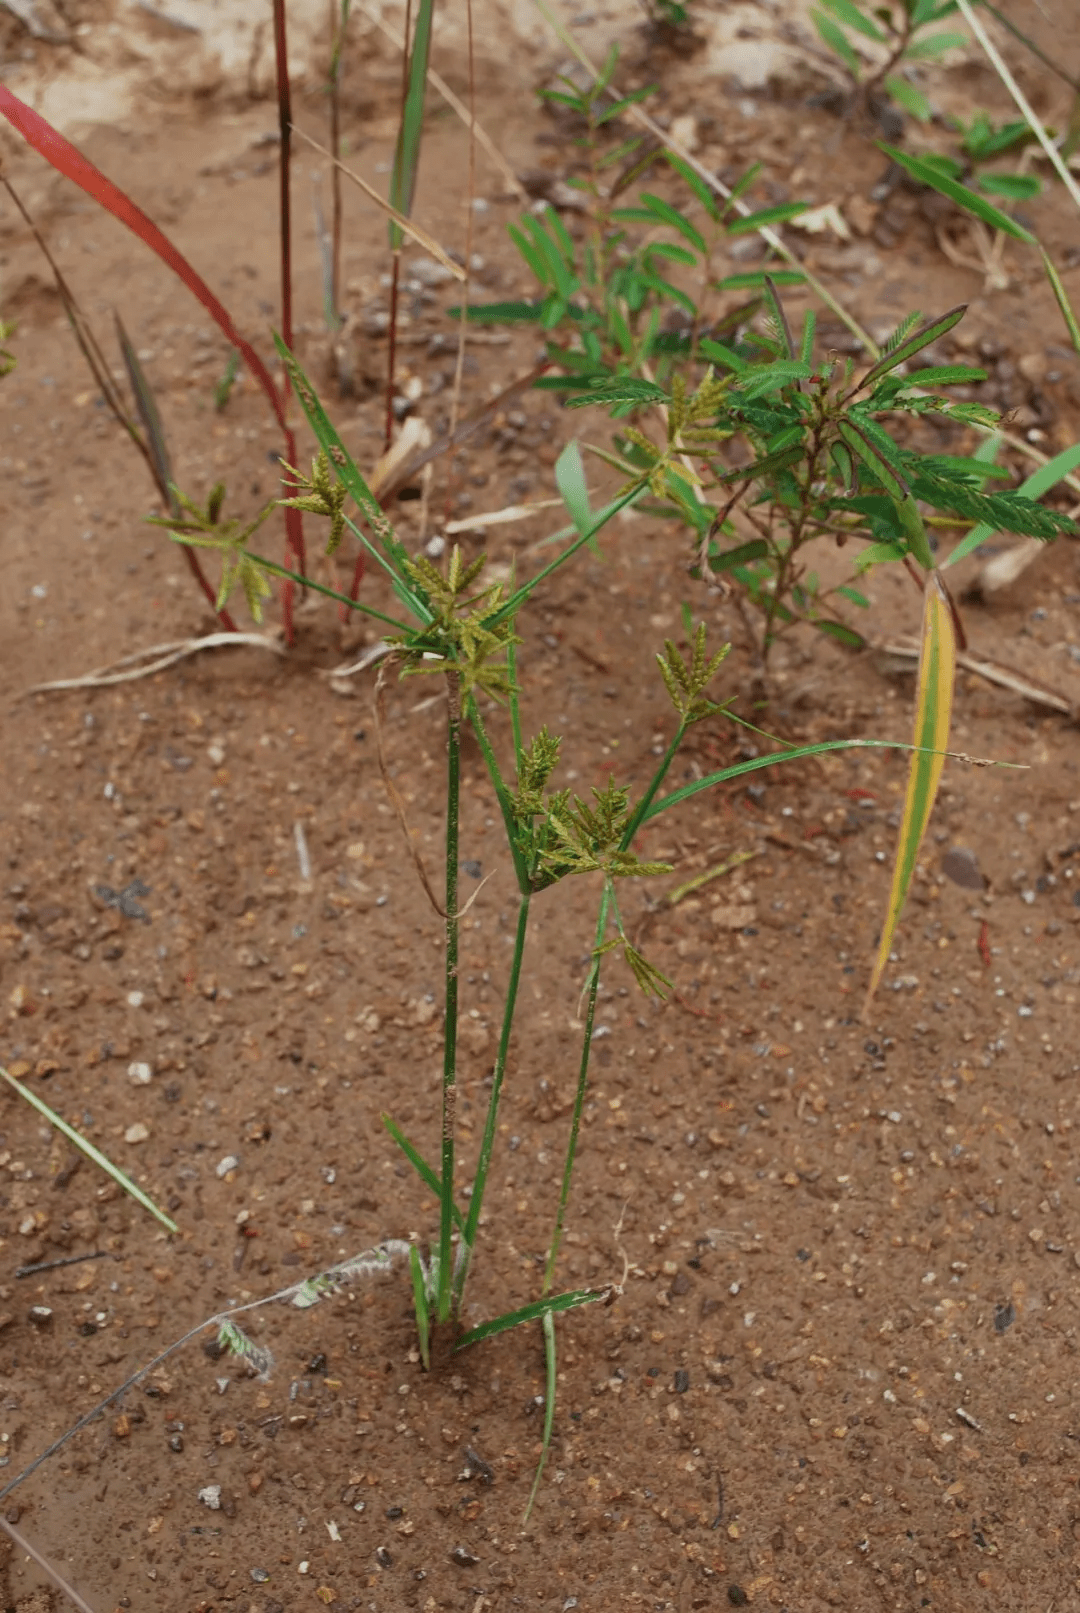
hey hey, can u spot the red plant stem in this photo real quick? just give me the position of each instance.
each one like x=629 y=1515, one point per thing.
x=294 y=526
x=357 y=579
x=70 y=162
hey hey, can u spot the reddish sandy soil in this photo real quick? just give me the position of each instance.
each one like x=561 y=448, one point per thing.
x=842 y=1368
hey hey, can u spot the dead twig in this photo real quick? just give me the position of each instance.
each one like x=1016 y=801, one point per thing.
x=45 y=1565
x=168 y=655
x=993 y=671
x=420 y=236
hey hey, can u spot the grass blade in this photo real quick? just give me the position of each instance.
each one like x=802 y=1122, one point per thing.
x=1067 y=312
x=150 y=415
x=70 y=162
x=933 y=710
x=1026 y=112
x=529 y=1313
x=797 y=752
x=406 y=225
x=407 y=152
x=420 y=1165
x=340 y=14
x=86 y=1147
x=927 y=174
x=393 y=556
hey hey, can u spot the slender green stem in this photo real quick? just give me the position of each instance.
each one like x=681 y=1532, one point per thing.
x=488 y=1141
x=491 y=761
x=387 y=563
x=592 y=988
x=331 y=593
x=449 y=1092
x=515 y=703
x=520 y=595
x=637 y=817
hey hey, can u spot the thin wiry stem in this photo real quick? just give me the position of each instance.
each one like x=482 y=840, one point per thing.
x=45 y=1565
x=1029 y=116
x=453 y=924
x=470 y=211
x=592 y=988
x=339 y=22
x=395 y=267
x=294 y=526
x=488 y=1142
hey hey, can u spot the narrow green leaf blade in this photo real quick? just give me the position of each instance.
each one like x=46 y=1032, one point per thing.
x=755 y=549
x=393 y=555
x=850 y=14
x=1014 y=187
x=933 y=45
x=927 y=174
x=530 y=1313
x=407 y=150
x=754 y=280
x=866 y=450
x=420 y=1165
x=696 y=184
x=1068 y=313
x=671 y=215
x=837 y=41
x=926 y=333
x=840 y=631
x=86 y=1147
x=149 y=413
x=911 y=99
x=765 y=216
x=420 y=1305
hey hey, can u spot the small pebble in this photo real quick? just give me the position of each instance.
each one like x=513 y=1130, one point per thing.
x=139 y=1075
x=135 y=999
x=260 y=1576
x=229 y=1163
x=1004 y=1317
x=962 y=866
x=40 y=1315
x=138 y=1133
x=463 y=1557
x=210 y=1496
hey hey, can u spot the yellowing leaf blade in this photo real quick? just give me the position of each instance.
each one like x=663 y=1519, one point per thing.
x=937 y=672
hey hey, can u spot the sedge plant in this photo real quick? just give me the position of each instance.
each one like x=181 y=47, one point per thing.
x=452 y=625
